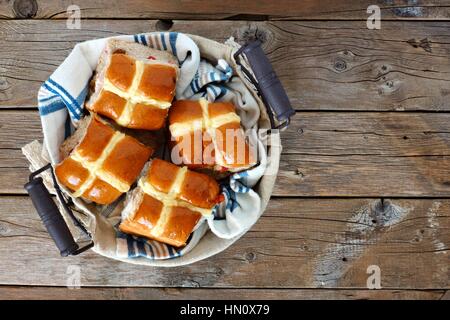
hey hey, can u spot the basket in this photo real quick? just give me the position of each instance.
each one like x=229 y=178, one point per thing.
x=71 y=217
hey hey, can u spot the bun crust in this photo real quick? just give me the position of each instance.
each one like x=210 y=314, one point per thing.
x=169 y=202
x=209 y=136
x=103 y=164
x=134 y=85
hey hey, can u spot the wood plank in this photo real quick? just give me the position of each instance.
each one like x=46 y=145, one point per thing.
x=325 y=154
x=337 y=65
x=324 y=243
x=304 y=175
x=95 y=293
x=234 y=9
x=310 y=133
x=365 y=154
x=390 y=134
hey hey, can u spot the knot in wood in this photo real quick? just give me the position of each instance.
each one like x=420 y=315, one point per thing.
x=251 y=33
x=164 y=24
x=219 y=272
x=3 y=229
x=3 y=83
x=340 y=65
x=250 y=256
x=25 y=9
x=299 y=173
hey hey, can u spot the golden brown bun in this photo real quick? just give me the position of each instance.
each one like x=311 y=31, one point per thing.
x=209 y=136
x=109 y=105
x=158 y=82
x=147 y=116
x=103 y=164
x=185 y=111
x=169 y=202
x=134 y=85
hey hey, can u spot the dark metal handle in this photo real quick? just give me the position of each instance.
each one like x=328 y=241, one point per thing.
x=50 y=215
x=267 y=82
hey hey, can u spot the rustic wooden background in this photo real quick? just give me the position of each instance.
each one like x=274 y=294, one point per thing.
x=365 y=171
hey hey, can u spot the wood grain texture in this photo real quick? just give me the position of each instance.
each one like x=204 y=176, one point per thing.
x=234 y=9
x=99 y=293
x=325 y=154
x=356 y=175
x=376 y=154
x=298 y=243
x=339 y=65
x=302 y=247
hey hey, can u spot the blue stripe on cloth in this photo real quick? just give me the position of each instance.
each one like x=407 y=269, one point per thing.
x=136 y=39
x=67 y=128
x=141 y=249
x=130 y=245
x=236 y=182
x=194 y=83
x=42 y=100
x=232 y=204
x=72 y=104
x=192 y=86
x=214 y=212
x=143 y=39
x=171 y=251
x=210 y=93
x=163 y=41
x=220 y=214
x=151 y=250
x=213 y=89
x=228 y=71
x=68 y=106
x=229 y=194
x=173 y=42
x=243 y=174
x=217 y=90
x=64 y=91
x=52 y=107
x=223 y=91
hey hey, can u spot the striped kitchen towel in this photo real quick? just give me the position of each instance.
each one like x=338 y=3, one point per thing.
x=61 y=103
